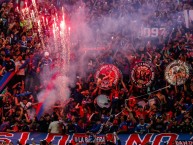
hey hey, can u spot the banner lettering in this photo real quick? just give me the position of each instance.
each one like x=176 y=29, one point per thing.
x=82 y=138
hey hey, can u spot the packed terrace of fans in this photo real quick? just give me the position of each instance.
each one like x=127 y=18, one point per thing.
x=171 y=110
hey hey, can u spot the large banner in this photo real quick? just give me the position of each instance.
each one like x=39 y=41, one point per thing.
x=126 y=139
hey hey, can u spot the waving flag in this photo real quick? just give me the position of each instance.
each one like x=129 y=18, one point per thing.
x=46 y=92
x=5 y=79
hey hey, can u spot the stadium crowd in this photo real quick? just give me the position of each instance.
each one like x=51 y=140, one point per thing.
x=21 y=50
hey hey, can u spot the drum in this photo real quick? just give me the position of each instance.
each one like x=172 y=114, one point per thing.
x=102 y=101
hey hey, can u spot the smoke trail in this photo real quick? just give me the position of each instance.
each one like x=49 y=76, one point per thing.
x=118 y=29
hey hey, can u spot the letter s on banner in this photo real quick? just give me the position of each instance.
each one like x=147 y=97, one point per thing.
x=5 y=134
x=135 y=139
x=63 y=138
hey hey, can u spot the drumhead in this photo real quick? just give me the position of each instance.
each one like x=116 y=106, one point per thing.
x=103 y=101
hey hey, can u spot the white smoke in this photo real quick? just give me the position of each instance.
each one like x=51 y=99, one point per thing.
x=89 y=32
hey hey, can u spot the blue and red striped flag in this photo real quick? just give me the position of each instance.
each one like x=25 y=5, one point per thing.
x=48 y=89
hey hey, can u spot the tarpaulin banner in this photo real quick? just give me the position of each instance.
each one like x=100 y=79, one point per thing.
x=82 y=138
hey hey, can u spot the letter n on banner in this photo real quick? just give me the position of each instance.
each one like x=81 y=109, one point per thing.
x=135 y=139
x=24 y=137
x=63 y=138
x=5 y=134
